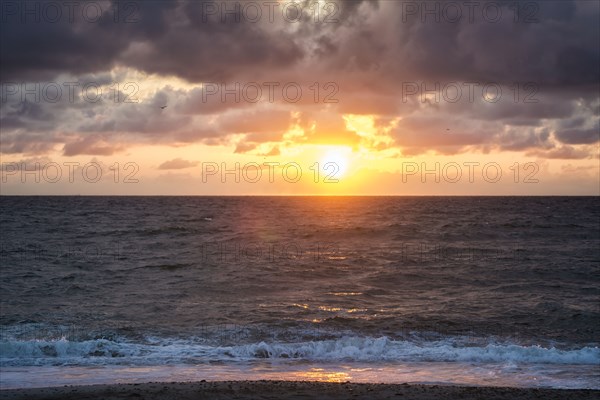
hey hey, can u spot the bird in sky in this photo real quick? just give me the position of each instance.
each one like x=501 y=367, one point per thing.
x=163 y=107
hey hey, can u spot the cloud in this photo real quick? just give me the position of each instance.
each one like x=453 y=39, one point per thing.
x=177 y=163
x=256 y=123
x=579 y=136
x=27 y=164
x=91 y=145
x=371 y=52
x=563 y=152
x=27 y=143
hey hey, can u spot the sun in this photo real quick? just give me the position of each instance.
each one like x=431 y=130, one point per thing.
x=335 y=162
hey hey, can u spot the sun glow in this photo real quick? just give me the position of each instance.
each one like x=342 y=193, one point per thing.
x=335 y=162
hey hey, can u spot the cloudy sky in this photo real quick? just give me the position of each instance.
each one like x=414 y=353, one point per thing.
x=306 y=97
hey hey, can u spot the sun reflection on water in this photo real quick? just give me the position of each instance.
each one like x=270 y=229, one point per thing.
x=322 y=375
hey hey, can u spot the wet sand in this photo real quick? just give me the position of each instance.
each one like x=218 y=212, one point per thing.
x=287 y=390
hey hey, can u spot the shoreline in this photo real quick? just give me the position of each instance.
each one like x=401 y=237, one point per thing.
x=290 y=390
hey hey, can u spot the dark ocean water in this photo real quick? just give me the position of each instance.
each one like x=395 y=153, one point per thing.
x=488 y=282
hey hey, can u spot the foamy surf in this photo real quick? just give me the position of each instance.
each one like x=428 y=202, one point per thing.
x=154 y=351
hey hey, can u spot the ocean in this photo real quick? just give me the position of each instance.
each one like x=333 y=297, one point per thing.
x=498 y=291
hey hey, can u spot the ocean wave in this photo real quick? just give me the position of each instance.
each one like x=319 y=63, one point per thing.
x=348 y=349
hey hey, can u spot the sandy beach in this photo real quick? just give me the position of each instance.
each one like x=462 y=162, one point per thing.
x=289 y=390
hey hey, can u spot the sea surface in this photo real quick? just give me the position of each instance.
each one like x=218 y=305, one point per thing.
x=498 y=291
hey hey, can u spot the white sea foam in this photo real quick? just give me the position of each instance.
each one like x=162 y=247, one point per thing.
x=350 y=349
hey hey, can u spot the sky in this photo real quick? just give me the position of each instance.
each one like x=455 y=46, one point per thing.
x=300 y=98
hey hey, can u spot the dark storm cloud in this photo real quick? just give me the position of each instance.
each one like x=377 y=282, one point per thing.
x=579 y=136
x=524 y=139
x=28 y=143
x=256 y=122
x=370 y=49
x=41 y=50
x=156 y=37
x=26 y=115
x=87 y=37
x=553 y=51
x=177 y=38
x=213 y=55
x=167 y=37
x=202 y=101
